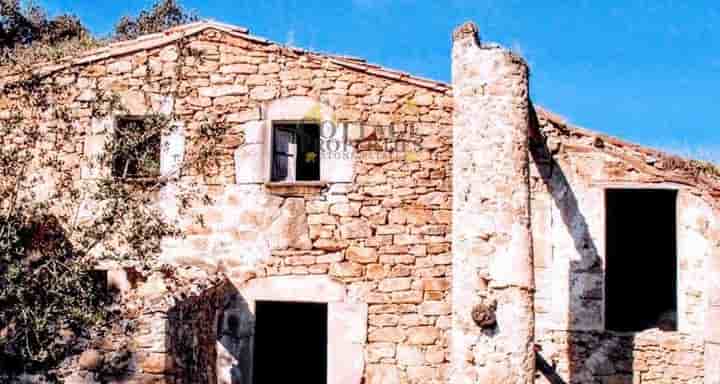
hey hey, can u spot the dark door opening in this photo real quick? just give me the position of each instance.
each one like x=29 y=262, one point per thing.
x=641 y=260
x=290 y=343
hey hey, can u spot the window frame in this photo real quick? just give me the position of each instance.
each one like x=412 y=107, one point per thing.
x=605 y=188
x=116 y=122
x=273 y=125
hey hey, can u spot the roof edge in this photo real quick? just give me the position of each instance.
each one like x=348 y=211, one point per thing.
x=173 y=34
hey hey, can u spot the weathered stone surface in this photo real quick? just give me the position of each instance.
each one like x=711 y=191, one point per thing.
x=156 y=363
x=225 y=90
x=244 y=116
x=490 y=167
x=90 y=360
x=345 y=209
x=239 y=68
x=119 y=67
x=397 y=90
x=346 y=269
x=396 y=284
x=263 y=93
x=355 y=229
x=382 y=374
x=290 y=229
x=423 y=335
x=249 y=164
x=268 y=68
x=361 y=255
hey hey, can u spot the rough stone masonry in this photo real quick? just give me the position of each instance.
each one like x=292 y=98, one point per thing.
x=491 y=203
x=459 y=231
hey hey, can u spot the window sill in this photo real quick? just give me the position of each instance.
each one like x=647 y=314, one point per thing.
x=144 y=180
x=295 y=188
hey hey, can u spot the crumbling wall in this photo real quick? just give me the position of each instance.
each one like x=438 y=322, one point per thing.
x=492 y=264
x=382 y=227
x=192 y=335
x=163 y=331
x=652 y=356
x=571 y=169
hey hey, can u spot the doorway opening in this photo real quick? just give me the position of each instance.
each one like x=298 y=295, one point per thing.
x=290 y=342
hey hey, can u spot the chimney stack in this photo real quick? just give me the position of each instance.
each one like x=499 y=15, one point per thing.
x=491 y=238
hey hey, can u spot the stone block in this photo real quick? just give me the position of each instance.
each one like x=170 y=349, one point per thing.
x=382 y=374
x=361 y=255
x=407 y=297
x=410 y=355
x=397 y=90
x=315 y=289
x=172 y=151
x=346 y=209
x=347 y=322
x=268 y=68
x=395 y=284
x=422 y=375
x=156 y=363
x=120 y=66
x=423 y=335
x=223 y=90
x=377 y=351
x=254 y=132
x=436 y=284
x=355 y=229
x=90 y=359
x=263 y=93
x=346 y=269
x=250 y=164
x=134 y=102
x=243 y=116
x=435 y=308
x=386 y=334
x=245 y=69
x=290 y=229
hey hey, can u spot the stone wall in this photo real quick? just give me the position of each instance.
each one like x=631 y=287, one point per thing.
x=384 y=235
x=163 y=332
x=379 y=225
x=651 y=356
x=571 y=170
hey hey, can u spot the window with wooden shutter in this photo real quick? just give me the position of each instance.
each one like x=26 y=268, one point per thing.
x=296 y=152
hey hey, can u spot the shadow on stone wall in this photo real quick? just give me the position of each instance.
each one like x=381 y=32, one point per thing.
x=235 y=328
x=205 y=342
x=591 y=354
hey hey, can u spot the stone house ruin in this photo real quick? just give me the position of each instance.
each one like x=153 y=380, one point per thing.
x=377 y=227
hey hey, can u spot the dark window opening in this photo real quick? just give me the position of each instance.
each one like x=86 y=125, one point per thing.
x=641 y=260
x=290 y=343
x=136 y=150
x=296 y=152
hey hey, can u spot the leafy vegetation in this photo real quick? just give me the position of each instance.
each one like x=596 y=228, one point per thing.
x=29 y=35
x=55 y=228
x=164 y=14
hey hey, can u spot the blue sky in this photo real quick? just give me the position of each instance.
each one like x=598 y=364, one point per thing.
x=647 y=71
